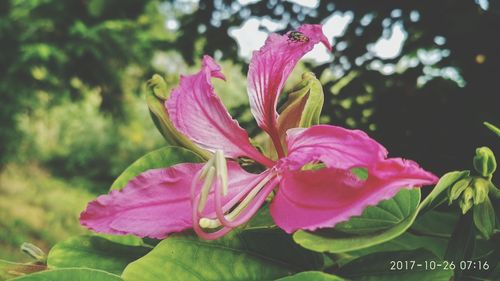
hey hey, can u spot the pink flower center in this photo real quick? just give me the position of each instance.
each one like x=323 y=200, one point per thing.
x=232 y=209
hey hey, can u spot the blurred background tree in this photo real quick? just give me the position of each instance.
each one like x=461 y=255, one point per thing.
x=418 y=76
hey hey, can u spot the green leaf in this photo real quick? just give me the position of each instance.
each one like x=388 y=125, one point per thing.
x=246 y=255
x=129 y=240
x=462 y=243
x=70 y=274
x=261 y=220
x=484 y=218
x=160 y=158
x=10 y=270
x=312 y=276
x=377 y=224
x=435 y=223
x=437 y=195
x=94 y=252
x=407 y=242
x=379 y=267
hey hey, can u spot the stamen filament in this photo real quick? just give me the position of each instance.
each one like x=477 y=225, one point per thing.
x=210 y=163
x=221 y=168
x=206 y=188
x=248 y=206
x=251 y=195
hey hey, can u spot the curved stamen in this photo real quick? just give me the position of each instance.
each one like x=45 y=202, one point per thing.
x=244 y=204
x=206 y=188
x=248 y=206
x=198 y=229
x=221 y=168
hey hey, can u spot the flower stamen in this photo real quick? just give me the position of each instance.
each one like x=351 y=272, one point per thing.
x=207 y=184
x=221 y=168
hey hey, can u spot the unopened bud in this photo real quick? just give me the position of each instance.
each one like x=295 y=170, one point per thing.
x=481 y=188
x=457 y=189
x=466 y=201
x=484 y=161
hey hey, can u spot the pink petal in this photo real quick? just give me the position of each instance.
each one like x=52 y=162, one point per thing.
x=155 y=203
x=322 y=198
x=197 y=112
x=334 y=146
x=270 y=68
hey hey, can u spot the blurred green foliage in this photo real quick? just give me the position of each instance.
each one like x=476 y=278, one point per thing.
x=47 y=44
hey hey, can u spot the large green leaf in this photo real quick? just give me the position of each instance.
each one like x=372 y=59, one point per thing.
x=9 y=270
x=248 y=255
x=160 y=158
x=70 y=274
x=406 y=241
x=462 y=243
x=94 y=252
x=377 y=224
x=395 y=266
x=312 y=276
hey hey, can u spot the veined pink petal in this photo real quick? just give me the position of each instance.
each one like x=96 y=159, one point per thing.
x=197 y=112
x=335 y=146
x=322 y=198
x=271 y=66
x=155 y=203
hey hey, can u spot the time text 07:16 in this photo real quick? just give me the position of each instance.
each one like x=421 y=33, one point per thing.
x=439 y=265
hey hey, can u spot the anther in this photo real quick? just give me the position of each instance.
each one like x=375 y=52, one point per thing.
x=209 y=223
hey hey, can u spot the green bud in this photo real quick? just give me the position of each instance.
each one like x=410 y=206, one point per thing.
x=304 y=105
x=484 y=161
x=466 y=202
x=33 y=251
x=481 y=188
x=156 y=103
x=456 y=190
x=484 y=218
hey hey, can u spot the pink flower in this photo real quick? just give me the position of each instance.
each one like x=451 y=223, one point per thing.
x=220 y=195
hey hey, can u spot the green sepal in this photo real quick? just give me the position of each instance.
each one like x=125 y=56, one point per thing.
x=484 y=218
x=159 y=87
x=306 y=99
x=155 y=100
x=458 y=188
x=481 y=188
x=484 y=161
x=466 y=201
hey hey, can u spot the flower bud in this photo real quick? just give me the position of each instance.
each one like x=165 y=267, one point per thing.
x=156 y=103
x=456 y=190
x=484 y=218
x=466 y=201
x=484 y=161
x=481 y=188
